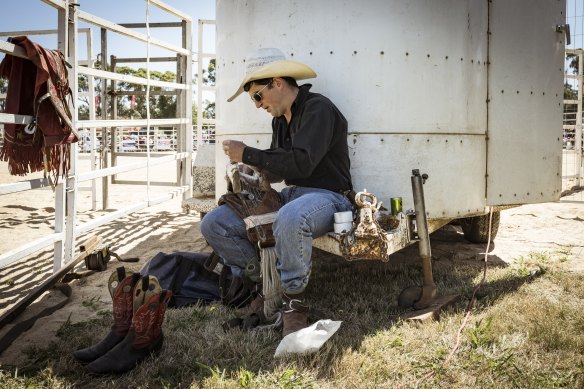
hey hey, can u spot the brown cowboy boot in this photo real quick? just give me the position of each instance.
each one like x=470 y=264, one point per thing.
x=256 y=306
x=121 y=289
x=144 y=337
x=295 y=313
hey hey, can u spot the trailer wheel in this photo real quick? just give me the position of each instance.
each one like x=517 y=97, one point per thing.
x=476 y=229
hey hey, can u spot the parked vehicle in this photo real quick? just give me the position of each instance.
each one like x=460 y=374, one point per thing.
x=441 y=87
x=85 y=143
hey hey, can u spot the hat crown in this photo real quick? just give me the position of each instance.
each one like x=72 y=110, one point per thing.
x=262 y=57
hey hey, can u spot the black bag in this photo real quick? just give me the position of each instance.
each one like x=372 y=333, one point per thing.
x=197 y=277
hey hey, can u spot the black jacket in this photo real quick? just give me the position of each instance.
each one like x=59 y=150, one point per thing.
x=312 y=150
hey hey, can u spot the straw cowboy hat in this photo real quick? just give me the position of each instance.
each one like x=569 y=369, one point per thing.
x=270 y=62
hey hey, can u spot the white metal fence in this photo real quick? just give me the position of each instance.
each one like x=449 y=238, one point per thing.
x=572 y=168
x=95 y=133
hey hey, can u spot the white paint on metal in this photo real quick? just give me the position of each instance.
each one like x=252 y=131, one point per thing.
x=414 y=74
x=97 y=21
x=390 y=66
x=130 y=122
x=383 y=165
x=170 y=9
x=525 y=109
x=64 y=239
x=23 y=186
x=67 y=213
x=18 y=119
x=130 y=79
x=28 y=248
x=128 y=167
x=12 y=49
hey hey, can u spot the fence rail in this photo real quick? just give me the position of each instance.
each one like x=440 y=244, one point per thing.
x=95 y=133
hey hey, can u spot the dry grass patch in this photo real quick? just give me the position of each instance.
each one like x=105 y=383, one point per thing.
x=526 y=330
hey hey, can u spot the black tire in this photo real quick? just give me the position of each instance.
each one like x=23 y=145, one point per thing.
x=409 y=296
x=476 y=229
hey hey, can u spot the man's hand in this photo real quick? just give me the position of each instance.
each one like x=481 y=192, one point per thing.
x=234 y=150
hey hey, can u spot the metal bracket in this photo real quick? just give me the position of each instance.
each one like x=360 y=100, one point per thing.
x=565 y=28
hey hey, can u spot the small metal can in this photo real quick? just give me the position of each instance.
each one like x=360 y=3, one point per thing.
x=396 y=205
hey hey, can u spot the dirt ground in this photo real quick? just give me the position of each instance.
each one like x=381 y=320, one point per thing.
x=540 y=228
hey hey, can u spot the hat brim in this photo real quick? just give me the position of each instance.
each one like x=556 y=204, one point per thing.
x=281 y=68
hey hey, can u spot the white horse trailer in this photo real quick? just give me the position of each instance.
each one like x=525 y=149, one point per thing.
x=468 y=92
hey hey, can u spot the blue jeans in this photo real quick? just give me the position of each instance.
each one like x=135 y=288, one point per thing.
x=307 y=214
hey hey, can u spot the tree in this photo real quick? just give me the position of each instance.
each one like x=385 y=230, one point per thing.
x=209 y=78
x=574 y=62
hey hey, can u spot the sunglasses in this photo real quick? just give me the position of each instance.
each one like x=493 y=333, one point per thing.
x=257 y=96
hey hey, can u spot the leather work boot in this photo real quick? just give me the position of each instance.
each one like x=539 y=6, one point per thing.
x=121 y=288
x=295 y=313
x=145 y=335
x=256 y=306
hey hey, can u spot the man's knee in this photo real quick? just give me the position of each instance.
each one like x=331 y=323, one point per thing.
x=287 y=223
x=207 y=224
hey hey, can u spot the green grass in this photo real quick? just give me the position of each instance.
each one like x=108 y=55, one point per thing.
x=526 y=330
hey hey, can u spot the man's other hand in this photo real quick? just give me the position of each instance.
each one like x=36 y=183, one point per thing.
x=234 y=150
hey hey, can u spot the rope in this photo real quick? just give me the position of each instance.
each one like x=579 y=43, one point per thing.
x=272 y=288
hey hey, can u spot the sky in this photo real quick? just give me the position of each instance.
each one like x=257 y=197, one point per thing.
x=575 y=17
x=36 y=15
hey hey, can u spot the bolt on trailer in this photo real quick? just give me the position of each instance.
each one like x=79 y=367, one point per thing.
x=465 y=97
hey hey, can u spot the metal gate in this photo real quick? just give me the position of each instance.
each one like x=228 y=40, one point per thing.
x=67 y=226
x=572 y=169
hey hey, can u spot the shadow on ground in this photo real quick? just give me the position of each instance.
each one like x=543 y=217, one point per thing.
x=362 y=294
